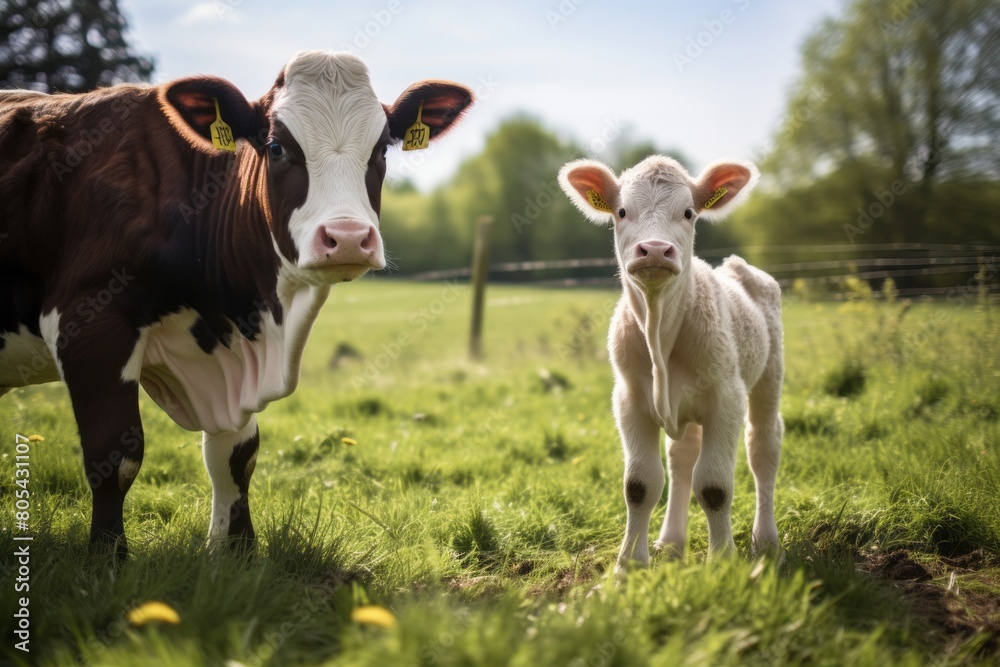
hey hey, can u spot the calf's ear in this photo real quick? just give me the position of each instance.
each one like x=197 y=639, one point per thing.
x=190 y=105
x=722 y=187
x=592 y=187
x=443 y=105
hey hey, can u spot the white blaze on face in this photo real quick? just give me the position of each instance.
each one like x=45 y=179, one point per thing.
x=328 y=105
x=655 y=194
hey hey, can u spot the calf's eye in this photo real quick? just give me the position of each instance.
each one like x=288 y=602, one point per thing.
x=621 y=213
x=276 y=149
x=688 y=213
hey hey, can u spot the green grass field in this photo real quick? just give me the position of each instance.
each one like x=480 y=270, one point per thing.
x=482 y=504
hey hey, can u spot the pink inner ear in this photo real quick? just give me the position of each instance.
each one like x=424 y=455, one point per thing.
x=443 y=104
x=199 y=108
x=591 y=178
x=731 y=176
x=441 y=108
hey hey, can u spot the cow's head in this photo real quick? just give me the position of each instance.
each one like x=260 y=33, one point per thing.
x=323 y=136
x=654 y=206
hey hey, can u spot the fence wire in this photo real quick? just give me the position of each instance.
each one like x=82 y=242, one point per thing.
x=962 y=261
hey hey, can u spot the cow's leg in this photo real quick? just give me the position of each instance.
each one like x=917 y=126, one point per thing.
x=640 y=435
x=715 y=471
x=230 y=459
x=763 y=441
x=681 y=457
x=100 y=361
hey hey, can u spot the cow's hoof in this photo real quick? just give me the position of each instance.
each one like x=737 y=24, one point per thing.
x=243 y=546
x=105 y=546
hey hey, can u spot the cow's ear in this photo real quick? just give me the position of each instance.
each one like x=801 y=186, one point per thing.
x=190 y=105
x=592 y=187
x=443 y=104
x=722 y=187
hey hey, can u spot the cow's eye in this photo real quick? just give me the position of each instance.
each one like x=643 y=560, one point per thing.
x=621 y=213
x=688 y=213
x=276 y=149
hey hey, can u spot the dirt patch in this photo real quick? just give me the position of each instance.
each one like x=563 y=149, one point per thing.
x=939 y=592
x=523 y=569
x=975 y=560
x=560 y=582
x=897 y=566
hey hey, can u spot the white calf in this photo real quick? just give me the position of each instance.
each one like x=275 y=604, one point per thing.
x=692 y=348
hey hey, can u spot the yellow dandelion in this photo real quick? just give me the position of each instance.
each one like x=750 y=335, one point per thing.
x=576 y=460
x=35 y=438
x=372 y=614
x=153 y=612
x=350 y=442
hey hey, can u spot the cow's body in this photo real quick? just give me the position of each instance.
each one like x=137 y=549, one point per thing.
x=135 y=252
x=162 y=262
x=695 y=351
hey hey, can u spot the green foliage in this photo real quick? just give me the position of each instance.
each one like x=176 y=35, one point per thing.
x=886 y=137
x=895 y=84
x=484 y=511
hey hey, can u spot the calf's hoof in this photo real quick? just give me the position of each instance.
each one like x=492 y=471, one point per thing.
x=724 y=552
x=770 y=551
x=626 y=565
x=669 y=550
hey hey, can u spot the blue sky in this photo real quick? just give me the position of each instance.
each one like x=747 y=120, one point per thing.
x=586 y=68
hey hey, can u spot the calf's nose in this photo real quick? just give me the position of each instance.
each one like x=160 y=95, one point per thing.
x=656 y=249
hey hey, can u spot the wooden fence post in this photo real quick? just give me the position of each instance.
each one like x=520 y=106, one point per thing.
x=480 y=272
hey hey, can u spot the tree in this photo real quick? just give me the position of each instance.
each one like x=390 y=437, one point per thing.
x=897 y=109
x=66 y=46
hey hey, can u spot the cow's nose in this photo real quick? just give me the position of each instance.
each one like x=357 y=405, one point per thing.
x=347 y=242
x=657 y=249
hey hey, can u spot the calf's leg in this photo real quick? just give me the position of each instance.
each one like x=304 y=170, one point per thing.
x=644 y=481
x=230 y=459
x=681 y=457
x=715 y=471
x=763 y=441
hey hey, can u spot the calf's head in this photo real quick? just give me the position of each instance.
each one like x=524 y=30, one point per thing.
x=323 y=136
x=653 y=207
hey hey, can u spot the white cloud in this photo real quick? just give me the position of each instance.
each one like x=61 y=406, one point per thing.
x=220 y=11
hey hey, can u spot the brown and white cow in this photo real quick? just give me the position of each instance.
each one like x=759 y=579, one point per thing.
x=133 y=251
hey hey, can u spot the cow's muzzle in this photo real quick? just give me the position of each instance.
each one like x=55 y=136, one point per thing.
x=346 y=249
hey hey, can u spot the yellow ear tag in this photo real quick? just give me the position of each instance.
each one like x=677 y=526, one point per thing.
x=716 y=196
x=418 y=135
x=597 y=201
x=222 y=134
